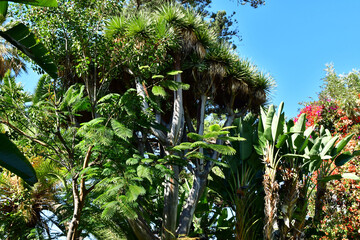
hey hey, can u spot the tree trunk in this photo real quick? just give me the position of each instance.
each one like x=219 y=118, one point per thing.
x=171 y=191
x=73 y=232
x=187 y=213
x=199 y=182
x=141 y=229
x=271 y=189
x=79 y=200
x=319 y=201
x=171 y=198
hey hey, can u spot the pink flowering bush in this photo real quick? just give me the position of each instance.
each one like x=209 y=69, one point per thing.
x=338 y=109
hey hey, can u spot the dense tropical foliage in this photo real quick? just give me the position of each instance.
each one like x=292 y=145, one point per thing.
x=148 y=125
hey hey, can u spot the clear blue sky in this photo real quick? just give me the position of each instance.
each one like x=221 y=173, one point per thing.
x=293 y=41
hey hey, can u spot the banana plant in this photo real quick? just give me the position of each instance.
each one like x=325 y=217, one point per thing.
x=291 y=155
x=21 y=37
x=25 y=41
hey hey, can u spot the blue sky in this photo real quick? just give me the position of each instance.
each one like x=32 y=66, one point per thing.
x=293 y=41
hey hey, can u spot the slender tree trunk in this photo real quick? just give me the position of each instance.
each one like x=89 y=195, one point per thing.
x=171 y=198
x=187 y=213
x=199 y=183
x=78 y=205
x=79 y=200
x=171 y=191
x=319 y=201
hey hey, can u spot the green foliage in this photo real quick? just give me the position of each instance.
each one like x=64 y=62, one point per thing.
x=21 y=37
x=12 y=159
x=206 y=142
x=295 y=154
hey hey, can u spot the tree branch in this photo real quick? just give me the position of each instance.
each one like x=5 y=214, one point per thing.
x=24 y=134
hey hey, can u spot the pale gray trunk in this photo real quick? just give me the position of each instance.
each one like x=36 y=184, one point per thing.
x=171 y=198
x=202 y=115
x=177 y=122
x=171 y=191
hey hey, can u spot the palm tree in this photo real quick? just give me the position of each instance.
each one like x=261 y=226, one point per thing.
x=10 y=60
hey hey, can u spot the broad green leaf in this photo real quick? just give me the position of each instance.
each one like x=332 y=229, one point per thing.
x=12 y=159
x=268 y=123
x=325 y=139
x=350 y=176
x=304 y=145
x=120 y=130
x=343 y=158
x=110 y=96
x=158 y=91
x=331 y=177
x=315 y=150
x=277 y=124
x=282 y=140
x=342 y=144
x=328 y=133
x=300 y=124
x=297 y=141
x=25 y=41
x=175 y=72
x=228 y=127
x=308 y=131
x=315 y=164
x=329 y=145
x=263 y=119
x=40 y=3
x=322 y=130
x=184 y=86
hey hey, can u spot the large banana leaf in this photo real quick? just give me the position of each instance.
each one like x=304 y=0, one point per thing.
x=21 y=37
x=12 y=159
x=40 y=3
